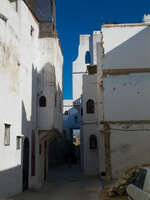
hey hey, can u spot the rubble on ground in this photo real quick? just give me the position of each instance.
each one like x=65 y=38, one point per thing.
x=117 y=191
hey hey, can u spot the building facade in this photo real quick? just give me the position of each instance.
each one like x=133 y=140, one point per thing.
x=115 y=101
x=31 y=67
x=87 y=56
x=124 y=68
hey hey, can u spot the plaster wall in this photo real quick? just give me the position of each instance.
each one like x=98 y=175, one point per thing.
x=129 y=148
x=18 y=75
x=96 y=37
x=90 y=126
x=129 y=47
x=50 y=83
x=28 y=53
x=126 y=97
x=80 y=66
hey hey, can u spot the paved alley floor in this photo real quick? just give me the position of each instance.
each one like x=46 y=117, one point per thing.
x=65 y=184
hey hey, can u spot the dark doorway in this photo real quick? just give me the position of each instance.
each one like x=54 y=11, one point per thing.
x=26 y=164
x=45 y=160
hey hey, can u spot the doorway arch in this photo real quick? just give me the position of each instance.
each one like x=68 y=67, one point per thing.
x=26 y=164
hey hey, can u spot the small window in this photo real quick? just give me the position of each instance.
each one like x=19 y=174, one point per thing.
x=55 y=99
x=18 y=143
x=76 y=119
x=43 y=101
x=7 y=135
x=87 y=58
x=66 y=112
x=81 y=111
x=90 y=106
x=31 y=31
x=93 y=142
x=14 y=4
x=40 y=149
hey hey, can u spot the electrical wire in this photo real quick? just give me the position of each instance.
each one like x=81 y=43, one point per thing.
x=124 y=130
x=128 y=130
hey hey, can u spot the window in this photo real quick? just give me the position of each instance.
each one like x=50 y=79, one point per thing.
x=40 y=149
x=66 y=112
x=31 y=31
x=90 y=107
x=42 y=101
x=14 y=4
x=55 y=99
x=76 y=119
x=18 y=143
x=7 y=135
x=87 y=58
x=81 y=111
x=93 y=142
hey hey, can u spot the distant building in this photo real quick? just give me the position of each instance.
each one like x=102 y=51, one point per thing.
x=31 y=94
x=87 y=55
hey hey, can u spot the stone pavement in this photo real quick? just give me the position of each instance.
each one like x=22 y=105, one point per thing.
x=65 y=184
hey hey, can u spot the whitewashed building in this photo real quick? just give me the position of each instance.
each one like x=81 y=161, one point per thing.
x=87 y=55
x=124 y=69
x=31 y=67
x=120 y=100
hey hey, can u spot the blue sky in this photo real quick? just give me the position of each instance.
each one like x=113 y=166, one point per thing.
x=83 y=16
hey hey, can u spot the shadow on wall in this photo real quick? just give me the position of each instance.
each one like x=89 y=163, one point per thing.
x=8 y=180
x=57 y=150
x=19 y=178
x=130 y=53
x=29 y=131
x=50 y=87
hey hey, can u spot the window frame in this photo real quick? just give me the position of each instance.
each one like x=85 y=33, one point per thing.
x=42 y=101
x=7 y=135
x=93 y=142
x=18 y=142
x=90 y=106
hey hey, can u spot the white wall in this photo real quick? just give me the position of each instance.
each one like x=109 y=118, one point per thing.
x=126 y=97
x=96 y=37
x=22 y=57
x=129 y=47
x=90 y=126
x=129 y=148
x=50 y=83
x=16 y=67
x=79 y=66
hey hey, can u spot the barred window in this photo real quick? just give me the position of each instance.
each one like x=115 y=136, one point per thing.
x=93 y=142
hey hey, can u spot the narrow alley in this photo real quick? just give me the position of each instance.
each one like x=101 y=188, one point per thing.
x=65 y=184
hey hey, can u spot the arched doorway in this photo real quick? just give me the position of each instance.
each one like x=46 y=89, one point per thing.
x=26 y=164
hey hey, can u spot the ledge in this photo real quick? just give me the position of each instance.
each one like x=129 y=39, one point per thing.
x=124 y=71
